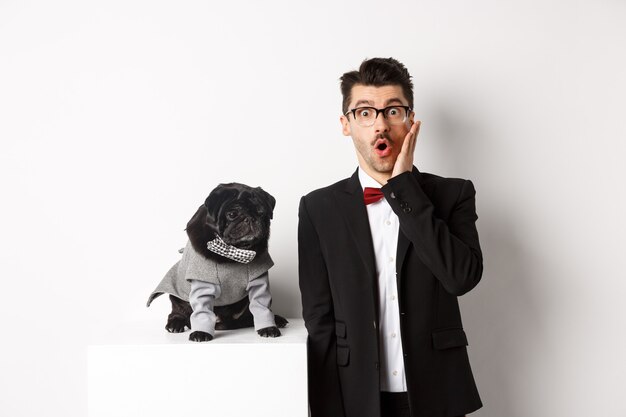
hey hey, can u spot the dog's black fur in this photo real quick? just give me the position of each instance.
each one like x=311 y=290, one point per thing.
x=241 y=216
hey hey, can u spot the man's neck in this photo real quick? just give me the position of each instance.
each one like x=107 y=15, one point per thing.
x=380 y=177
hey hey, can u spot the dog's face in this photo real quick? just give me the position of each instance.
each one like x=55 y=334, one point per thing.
x=239 y=214
x=242 y=214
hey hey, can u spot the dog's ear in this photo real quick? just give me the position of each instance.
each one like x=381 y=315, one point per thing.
x=222 y=194
x=268 y=200
x=201 y=223
x=200 y=229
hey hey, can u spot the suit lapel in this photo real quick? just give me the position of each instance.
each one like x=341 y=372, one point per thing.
x=403 y=247
x=352 y=207
x=403 y=242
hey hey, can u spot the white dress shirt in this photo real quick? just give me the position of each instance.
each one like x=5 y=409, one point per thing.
x=384 y=226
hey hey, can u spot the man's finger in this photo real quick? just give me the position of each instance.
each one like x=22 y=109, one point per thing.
x=409 y=140
x=418 y=124
x=407 y=146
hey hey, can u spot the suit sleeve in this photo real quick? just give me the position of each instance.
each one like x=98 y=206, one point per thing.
x=260 y=302
x=325 y=397
x=450 y=250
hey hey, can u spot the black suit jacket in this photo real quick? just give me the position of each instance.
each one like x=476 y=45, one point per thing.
x=438 y=259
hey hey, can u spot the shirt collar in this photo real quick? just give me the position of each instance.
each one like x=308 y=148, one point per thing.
x=367 y=181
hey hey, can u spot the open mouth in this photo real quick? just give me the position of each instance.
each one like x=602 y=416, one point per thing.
x=382 y=147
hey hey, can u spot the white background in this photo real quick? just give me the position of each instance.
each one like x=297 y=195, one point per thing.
x=117 y=118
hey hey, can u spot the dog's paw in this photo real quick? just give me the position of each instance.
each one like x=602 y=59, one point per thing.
x=199 y=336
x=280 y=321
x=220 y=325
x=269 y=332
x=176 y=324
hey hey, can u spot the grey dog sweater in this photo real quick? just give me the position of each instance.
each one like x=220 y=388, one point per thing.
x=206 y=283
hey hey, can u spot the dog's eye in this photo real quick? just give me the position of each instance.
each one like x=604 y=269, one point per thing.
x=231 y=215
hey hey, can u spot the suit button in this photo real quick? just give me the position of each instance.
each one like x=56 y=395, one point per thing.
x=406 y=209
x=405 y=355
x=404 y=204
x=377 y=365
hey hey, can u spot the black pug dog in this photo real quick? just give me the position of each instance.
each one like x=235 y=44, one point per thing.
x=221 y=283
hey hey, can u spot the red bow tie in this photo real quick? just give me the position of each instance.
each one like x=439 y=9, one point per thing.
x=372 y=195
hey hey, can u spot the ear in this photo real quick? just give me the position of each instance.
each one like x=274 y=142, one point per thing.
x=216 y=199
x=269 y=201
x=345 y=125
x=196 y=225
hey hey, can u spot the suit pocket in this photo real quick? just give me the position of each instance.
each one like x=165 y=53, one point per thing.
x=448 y=338
x=343 y=355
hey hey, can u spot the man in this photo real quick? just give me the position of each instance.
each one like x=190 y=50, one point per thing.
x=383 y=257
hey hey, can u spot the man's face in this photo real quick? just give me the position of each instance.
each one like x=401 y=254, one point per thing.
x=377 y=146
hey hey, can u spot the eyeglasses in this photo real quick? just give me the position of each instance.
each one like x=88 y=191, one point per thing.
x=366 y=116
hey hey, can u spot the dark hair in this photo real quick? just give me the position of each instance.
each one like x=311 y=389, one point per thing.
x=377 y=72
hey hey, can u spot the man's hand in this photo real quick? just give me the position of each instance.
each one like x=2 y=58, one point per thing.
x=404 y=163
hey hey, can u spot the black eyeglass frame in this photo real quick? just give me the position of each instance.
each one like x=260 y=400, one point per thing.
x=353 y=111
